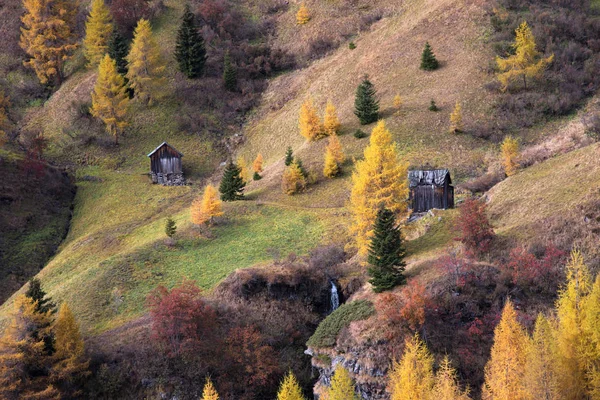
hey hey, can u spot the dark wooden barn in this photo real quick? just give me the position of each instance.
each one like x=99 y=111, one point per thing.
x=165 y=165
x=430 y=189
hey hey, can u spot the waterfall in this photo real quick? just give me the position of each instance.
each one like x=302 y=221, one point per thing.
x=335 y=298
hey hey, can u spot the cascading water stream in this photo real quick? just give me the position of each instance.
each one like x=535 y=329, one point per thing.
x=335 y=298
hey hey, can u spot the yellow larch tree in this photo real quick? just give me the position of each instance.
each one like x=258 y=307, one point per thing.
x=456 y=121
x=526 y=63
x=379 y=180
x=505 y=369
x=412 y=377
x=509 y=151
x=569 y=310
x=290 y=389
x=4 y=105
x=331 y=169
x=206 y=208
x=303 y=15
x=209 y=392
x=331 y=123
x=397 y=103
x=541 y=379
x=110 y=102
x=334 y=157
x=342 y=386
x=591 y=340
x=243 y=166
x=48 y=37
x=70 y=363
x=145 y=67
x=446 y=386
x=309 y=122
x=293 y=180
x=257 y=165
x=98 y=29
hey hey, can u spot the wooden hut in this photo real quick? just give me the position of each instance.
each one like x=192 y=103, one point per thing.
x=165 y=165
x=430 y=188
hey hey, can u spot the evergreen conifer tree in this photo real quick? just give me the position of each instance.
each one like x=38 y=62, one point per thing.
x=289 y=156
x=232 y=184
x=366 y=106
x=428 y=60
x=386 y=253
x=229 y=74
x=98 y=29
x=170 y=227
x=432 y=106
x=118 y=48
x=293 y=179
x=35 y=292
x=190 y=52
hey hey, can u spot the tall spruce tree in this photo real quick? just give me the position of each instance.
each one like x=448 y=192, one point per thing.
x=118 y=48
x=289 y=157
x=428 y=60
x=386 y=253
x=190 y=52
x=229 y=74
x=366 y=106
x=232 y=184
x=35 y=292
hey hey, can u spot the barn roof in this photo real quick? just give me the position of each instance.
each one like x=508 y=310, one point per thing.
x=428 y=177
x=165 y=144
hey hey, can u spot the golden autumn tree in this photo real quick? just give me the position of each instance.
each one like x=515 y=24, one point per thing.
x=109 y=99
x=331 y=123
x=446 y=386
x=591 y=339
x=510 y=155
x=526 y=63
x=257 y=165
x=570 y=314
x=412 y=376
x=98 y=30
x=505 y=369
x=541 y=378
x=209 y=392
x=303 y=15
x=243 y=166
x=70 y=363
x=4 y=105
x=379 y=180
x=145 y=67
x=334 y=157
x=206 y=208
x=293 y=180
x=48 y=37
x=456 y=121
x=342 y=386
x=309 y=122
x=397 y=103
x=290 y=389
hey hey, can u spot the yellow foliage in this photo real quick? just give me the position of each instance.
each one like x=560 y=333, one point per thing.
x=98 y=29
x=47 y=36
x=334 y=157
x=69 y=348
x=309 y=122
x=525 y=63
x=397 y=102
x=505 y=369
x=541 y=379
x=411 y=378
x=145 y=66
x=456 y=123
x=290 y=389
x=109 y=99
x=4 y=104
x=209 y=392
x=205 y=209
x=257 y=165
x=342 y=387
x=243 y=166
x=591 y=339
x=293 y=181
x=335 y=147
x=331 y=168
x=446 y=385
x=331 y=123
x=303 y=15
x=380 y=179
x=510 y=155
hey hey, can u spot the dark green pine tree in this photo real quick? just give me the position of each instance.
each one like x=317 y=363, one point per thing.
x=289 y=157
x=118 y=48
x=190 y=52
x=232 y=183
x=229 y=74
x=386 y=253
x=170 y=227
x=37 y=294
x=301 y=167
x=366 y=106
x=428 y=60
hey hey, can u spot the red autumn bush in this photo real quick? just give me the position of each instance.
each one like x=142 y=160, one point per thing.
x=476 y=232
x=407 y=308
x=537 y=273
x=182 y=321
